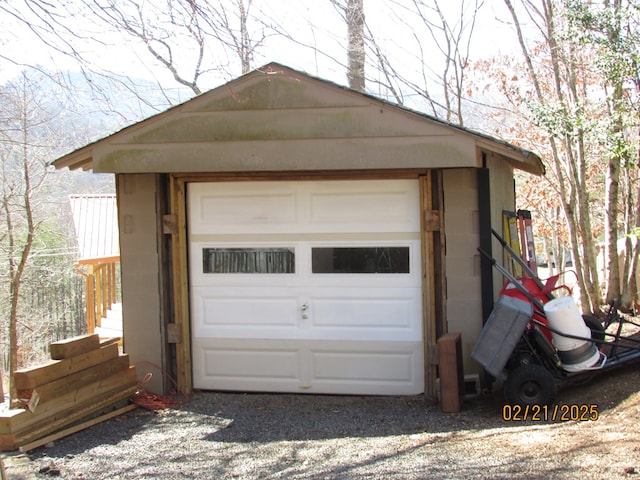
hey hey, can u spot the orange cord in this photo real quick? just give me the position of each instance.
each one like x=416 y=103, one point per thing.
x=152 y=401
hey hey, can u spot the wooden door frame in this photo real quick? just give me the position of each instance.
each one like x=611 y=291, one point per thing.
x=432 y=253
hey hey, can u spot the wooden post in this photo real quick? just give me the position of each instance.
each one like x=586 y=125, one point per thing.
x=99 y=293
x=91 y=309
x=451 y=372
x=112 y=283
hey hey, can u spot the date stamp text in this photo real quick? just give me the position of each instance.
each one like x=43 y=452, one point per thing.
x=551 y=413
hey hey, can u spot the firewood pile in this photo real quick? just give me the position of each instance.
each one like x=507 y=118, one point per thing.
x=86 y=381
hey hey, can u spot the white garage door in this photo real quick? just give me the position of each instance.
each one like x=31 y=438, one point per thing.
x=306 y=286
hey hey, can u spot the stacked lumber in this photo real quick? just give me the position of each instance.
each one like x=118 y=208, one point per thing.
x=84 y=377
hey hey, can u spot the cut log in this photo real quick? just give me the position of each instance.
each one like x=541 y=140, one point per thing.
x=30 y=378
x=72 y=347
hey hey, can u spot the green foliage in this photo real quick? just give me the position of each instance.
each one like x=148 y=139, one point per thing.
x=561 y=120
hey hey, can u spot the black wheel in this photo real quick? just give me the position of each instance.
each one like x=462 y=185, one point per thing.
x=597 y=329
x=530 y=384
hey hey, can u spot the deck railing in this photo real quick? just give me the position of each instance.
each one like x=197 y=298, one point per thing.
x=102 y=292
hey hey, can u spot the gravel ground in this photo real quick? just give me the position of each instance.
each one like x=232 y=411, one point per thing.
x=253 y=436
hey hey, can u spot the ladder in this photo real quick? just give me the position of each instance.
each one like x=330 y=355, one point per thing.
x=518 y=233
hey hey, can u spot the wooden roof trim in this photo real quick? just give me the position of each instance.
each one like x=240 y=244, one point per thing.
x=519 y=157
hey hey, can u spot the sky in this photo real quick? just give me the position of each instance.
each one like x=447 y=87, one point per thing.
x=314 y=22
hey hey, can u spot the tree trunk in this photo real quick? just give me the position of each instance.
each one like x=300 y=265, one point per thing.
x=355 y=52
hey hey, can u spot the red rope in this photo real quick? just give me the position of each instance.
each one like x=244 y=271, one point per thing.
x=152 y=401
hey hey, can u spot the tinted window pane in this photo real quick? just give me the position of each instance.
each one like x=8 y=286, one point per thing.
x=248 y=260
x=360 y=260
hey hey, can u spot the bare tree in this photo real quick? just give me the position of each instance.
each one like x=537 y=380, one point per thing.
x=440 y=51
x=22 y=174
x=186 y=37
x=352 y=12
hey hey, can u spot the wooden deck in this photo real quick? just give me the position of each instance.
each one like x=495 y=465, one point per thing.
x=104 y=312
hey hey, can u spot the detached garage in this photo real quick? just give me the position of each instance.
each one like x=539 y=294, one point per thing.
x=281 y=233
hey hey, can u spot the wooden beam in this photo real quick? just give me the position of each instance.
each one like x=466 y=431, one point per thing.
x=97 y=260
x=74 y=346
x=62 y=386
x=52 y=415
x=312 y=175
x=77 y=428
x=71 y=416
x=428 y=280
x=29 y=378
x=181 y=285
x=451 y=372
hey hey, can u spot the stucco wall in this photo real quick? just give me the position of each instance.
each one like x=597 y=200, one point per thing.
x=139 y=259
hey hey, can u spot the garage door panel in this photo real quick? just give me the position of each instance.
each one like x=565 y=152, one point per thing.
x=244 y=365
x=364 y=366
x=303 y=207
x=377 y=211
x=227 y=208
x=218 y=313
x=365 y=312
x=367 y=367
x=300 y=366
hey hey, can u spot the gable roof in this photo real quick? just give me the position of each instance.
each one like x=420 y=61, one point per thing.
x=276 y=118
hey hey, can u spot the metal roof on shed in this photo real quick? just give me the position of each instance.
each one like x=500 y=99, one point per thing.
x=95 y=220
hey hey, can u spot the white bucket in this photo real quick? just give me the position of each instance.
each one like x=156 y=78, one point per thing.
x=563 y=315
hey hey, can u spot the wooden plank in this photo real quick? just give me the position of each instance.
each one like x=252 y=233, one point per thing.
x=108 y=341
x=68 y=383
x=75 y=346
x=180 y=286
x=431 y=220
x=8 y=442
x=72 y=416
x=6 y=419
x=29 y=378
x=451 y=372
x=96 y=260
x=55 y=411
x=377 y=174
x=76 y=428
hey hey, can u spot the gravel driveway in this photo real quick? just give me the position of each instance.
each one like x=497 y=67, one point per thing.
x=252 y=436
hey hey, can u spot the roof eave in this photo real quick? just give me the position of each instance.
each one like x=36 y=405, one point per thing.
x=520 y=158
x=81 y=158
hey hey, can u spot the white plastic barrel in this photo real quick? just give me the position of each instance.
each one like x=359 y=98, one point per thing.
x=563 y=315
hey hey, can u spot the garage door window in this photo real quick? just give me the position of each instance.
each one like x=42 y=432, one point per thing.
x=248 y=260
x=360 y=260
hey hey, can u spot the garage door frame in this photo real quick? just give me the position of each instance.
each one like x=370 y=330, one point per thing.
x=432 y=253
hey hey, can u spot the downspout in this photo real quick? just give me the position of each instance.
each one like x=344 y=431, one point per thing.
x=484 y=230
x=485 y=243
